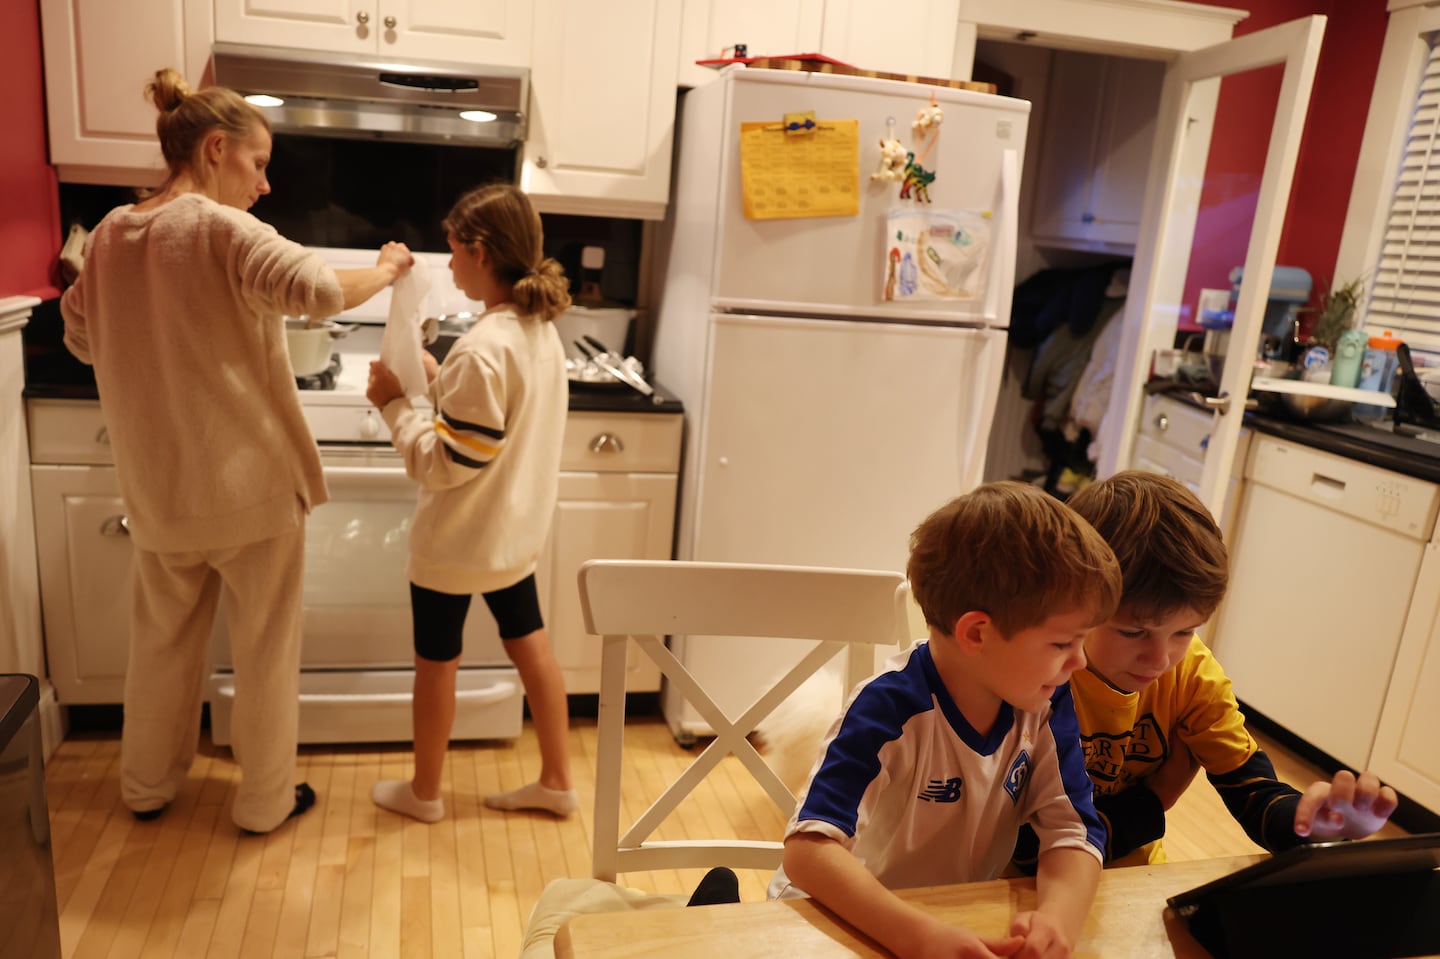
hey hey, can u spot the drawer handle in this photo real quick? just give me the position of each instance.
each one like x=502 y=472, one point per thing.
x=115 y=526
x=1162 y=422
x=607 y=443
x=102 y=436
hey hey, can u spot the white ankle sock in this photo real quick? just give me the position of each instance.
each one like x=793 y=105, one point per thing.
x=397 y=795
x=561 y=802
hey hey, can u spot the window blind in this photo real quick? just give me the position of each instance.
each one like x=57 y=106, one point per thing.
x=1405 y=291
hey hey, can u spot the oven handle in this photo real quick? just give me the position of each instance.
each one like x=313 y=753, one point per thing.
x=369 y=477
x=494 y=693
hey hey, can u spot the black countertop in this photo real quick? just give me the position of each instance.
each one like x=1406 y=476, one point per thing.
x=1376 y=444
x=51 y=372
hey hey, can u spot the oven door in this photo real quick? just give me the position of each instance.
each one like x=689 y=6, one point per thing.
x=357 y=656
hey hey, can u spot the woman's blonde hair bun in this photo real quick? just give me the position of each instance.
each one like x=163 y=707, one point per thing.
x=167 y=90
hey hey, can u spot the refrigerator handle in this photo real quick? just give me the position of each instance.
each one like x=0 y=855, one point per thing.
x=1002 y=289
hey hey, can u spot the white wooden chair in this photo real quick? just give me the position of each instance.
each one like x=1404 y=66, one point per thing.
x=713 y=602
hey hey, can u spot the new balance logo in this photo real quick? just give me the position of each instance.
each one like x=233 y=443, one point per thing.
x=942 y=790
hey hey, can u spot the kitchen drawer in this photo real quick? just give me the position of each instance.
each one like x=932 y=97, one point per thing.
x=617 y=442
x=67 y=431
x=1157 y=457
x=1166 y=420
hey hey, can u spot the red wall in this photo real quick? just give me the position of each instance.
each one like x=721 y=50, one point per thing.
x=1344 y=79
x=29 y=204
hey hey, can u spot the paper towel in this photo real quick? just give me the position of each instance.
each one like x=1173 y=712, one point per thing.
x=400 y=345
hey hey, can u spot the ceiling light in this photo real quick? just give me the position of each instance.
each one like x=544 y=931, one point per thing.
x=477 y=116
x=264 y=100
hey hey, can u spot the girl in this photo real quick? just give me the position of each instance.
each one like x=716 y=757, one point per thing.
x=488 y=465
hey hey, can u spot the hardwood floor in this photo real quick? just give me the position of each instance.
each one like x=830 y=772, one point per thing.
x=347 y=879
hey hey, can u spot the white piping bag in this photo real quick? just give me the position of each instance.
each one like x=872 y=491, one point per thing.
x=400 y=345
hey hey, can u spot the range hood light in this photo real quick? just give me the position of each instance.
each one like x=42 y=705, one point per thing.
x=477 y=116
x=264 y=100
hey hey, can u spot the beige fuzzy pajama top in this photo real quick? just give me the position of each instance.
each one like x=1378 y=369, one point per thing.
x=186 y=338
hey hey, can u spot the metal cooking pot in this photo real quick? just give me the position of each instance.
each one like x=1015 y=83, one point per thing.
x=308 y=341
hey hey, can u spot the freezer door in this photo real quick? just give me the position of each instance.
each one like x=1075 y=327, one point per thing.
x=840 y=265
x=825 y=442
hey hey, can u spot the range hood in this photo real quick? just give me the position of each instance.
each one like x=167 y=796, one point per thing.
x=363 y=97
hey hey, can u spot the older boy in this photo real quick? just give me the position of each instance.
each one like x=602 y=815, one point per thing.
x=1153 y=701
x=937 y=760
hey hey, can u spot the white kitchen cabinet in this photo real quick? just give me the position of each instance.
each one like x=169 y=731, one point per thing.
x=1095 y=151
x=83 y=550
x=916 y=40
x=602 y=107
x=98 y=57
x=1172 y=440
x=1407 y=749
x=618 y=482
x=85 y=558
x=468 y=31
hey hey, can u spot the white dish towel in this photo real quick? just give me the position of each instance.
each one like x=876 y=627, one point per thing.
x=400 y=345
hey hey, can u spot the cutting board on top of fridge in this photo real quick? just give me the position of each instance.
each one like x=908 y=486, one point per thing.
x=819 y=63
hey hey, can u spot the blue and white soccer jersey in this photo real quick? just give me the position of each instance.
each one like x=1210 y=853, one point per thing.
x=921 y=799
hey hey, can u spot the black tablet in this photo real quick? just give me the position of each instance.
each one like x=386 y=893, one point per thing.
x=1324 y=860
x=1374 y=898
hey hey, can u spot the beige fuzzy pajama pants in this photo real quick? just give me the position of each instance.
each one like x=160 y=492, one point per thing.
x=175 y=599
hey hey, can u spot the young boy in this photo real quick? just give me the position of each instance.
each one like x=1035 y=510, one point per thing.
x=1153 y=701
x=938 y=759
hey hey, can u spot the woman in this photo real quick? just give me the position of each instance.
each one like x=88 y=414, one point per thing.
x=179 y=310
x=488 y=465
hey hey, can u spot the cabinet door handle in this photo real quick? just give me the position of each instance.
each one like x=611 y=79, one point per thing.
x=102 y=436
x=115 y=526
x=389 y=23
x=607 y=443
x=1162 y=422
x=362 y=18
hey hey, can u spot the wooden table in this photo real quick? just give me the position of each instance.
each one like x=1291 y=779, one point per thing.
x=1128 y=918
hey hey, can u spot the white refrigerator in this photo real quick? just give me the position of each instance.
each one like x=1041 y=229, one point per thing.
x=823 y=419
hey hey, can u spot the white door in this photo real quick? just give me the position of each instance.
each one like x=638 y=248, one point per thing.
x=1167 y=233
x=347 y=26
x=492 y=32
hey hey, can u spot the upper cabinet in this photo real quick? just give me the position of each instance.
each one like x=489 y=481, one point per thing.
x=469 y=31
x=917 y=39
x=602 y=107
x=98 y=58
x=1095 y=151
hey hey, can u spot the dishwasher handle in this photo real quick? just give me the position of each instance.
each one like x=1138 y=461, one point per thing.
x=1326 y=487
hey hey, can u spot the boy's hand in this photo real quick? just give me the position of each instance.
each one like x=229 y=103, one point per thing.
x=1043 y=938
x=1175 y=774
x=940 y=941
x=1345 y=807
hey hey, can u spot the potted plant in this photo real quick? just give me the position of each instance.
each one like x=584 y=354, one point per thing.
x=1337 y=314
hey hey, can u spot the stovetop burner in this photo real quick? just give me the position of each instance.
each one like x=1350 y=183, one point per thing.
x=324 y=380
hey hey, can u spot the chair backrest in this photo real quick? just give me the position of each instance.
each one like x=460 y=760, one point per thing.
x=846 y=610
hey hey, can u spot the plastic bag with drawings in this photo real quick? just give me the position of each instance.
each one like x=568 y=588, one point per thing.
x=936 y=254
x=400 y=345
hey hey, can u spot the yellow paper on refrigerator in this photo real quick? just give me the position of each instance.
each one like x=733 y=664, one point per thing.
x=814 y=174
x=936 y=254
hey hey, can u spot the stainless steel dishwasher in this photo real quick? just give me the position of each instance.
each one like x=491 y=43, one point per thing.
x=1324 y=559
